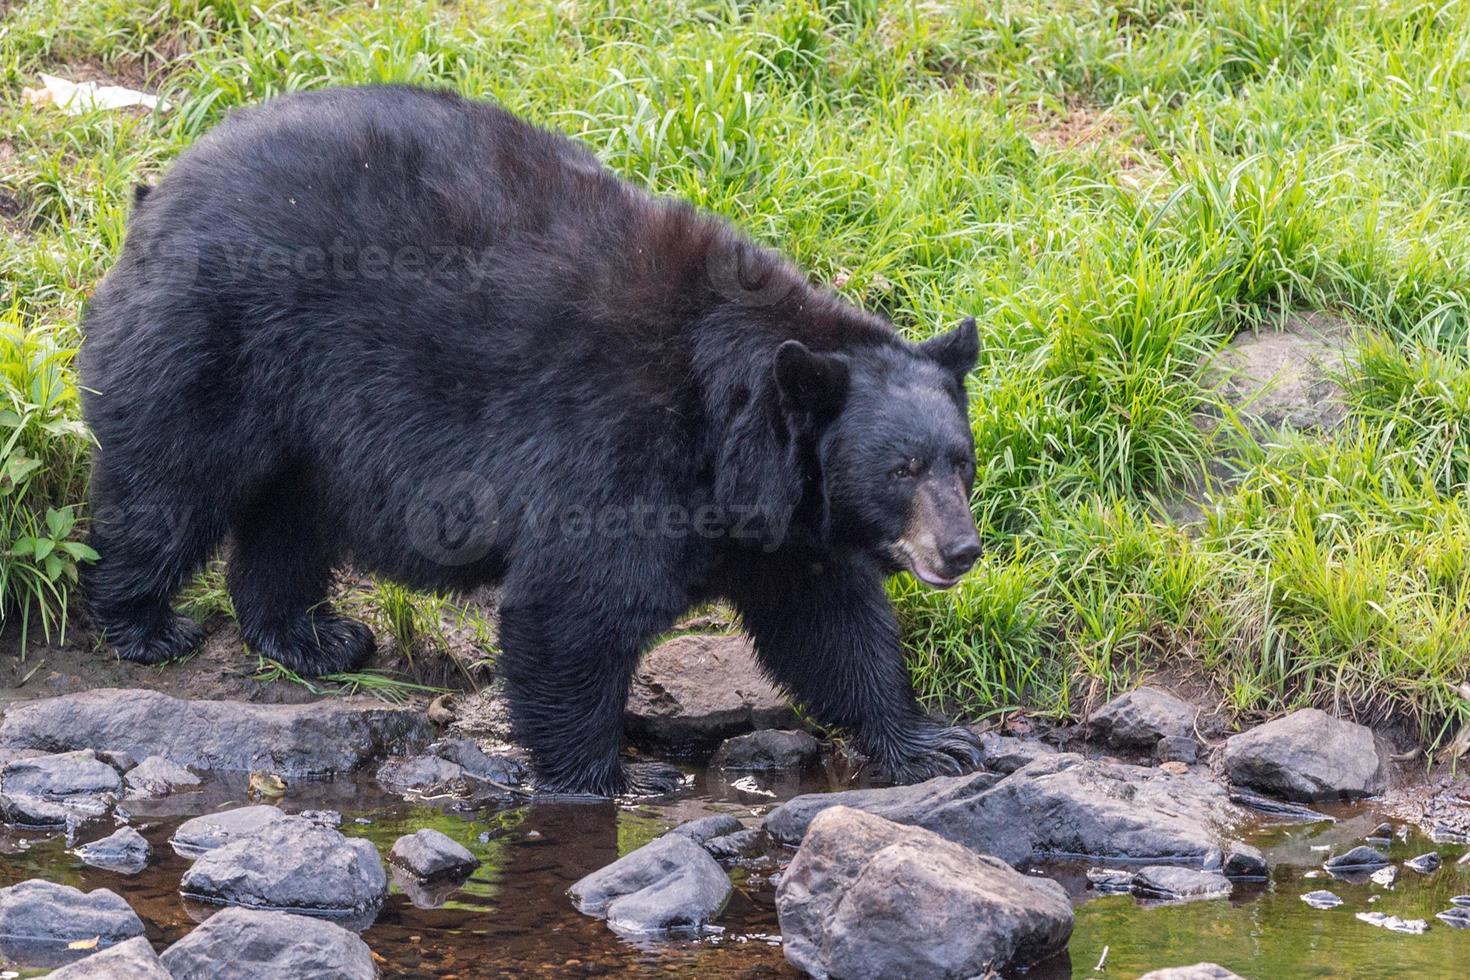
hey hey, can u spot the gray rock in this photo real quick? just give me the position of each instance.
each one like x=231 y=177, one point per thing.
x=1199 y=971
x=195 y=836
x=1360 y=858
x=865 y=897
x=32 y=813
x=291 y=864
x=39 y=918
x=430 y=854
x=1286 y=377
x=1137 y=720
x=241 y=943
x=1245 y=861
x=698 y=689
x=766 y=750
x=1290 y=812
x=132 y=959
x=1425 y=864
x=1308 y=755
x=1006 y=753
x=1058 y=806
x=157 y=776
x=1455 y=918
x=1178 y=884
x=429 y=774
x=125 y=851
x=62 y=774
x=708 y=828
x=328 y=736
x=121 y=761
x=742 y=843
x=1322 y=900
x=667 y=886
x=1177 y=748
x=492 y=768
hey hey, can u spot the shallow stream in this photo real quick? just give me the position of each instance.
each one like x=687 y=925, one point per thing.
x=512 y=918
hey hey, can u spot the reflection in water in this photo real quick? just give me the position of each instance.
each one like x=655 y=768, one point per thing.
x=512 y=917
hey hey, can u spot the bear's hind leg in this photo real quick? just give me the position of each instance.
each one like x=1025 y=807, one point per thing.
x=148 y=539
x=279 y=577
x=569 y=669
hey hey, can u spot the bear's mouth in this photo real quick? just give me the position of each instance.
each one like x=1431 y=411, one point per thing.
x=906 y=557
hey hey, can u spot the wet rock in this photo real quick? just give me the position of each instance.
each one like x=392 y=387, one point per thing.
x=1178 y=884
x=1393 y=923
x=1245 y=862
x=706 y=828
x=327 y=818
x=240 y=942
x=427 y=774
x=668 y=885
x=1058 y=806
x=132 y=959
x=1385 y=876
x=476 y=762
x=1381 y=834
x=1360 y=858
x=62 y=774
x=766 y=750
x=1308 y=755
x=1110 y=881
x=698 y=689
x=430 y=854
x=333 y=735
x=867 y=897
x=1137 y=720
x=121 y=761
x=741 y=844
x=1176 y=748
x=31 y=813
x=1322 y=900
x=1292 y=812
x=1199 y=971
x=157 y=776
x=1458 y=918
x=125 y=851
x=291 y=864
x=194 y=837
x=1461 y=901
x=1006 y=753
x=1425 y=864
x=39 y=918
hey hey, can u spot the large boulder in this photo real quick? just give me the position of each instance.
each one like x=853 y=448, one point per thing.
x=866 y=897
x=292 y=864
x=1137 y=720
x=1057 y=806
x=697 y=689
x=251 y=943
x=124 y=850
x=133 y=959
x=1308 y=755
x=670 y=885
x=39 y=920
x=329 y=736
x=204 y=833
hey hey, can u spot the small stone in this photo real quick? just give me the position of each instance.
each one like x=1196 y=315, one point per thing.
x=32 y=813
x=766 y=750
x=1394 y=923
x=1178 y=884
x=1461 y=901
x=426 y=774
x=132 y=959
x=430 y=854
x=1245 y=862
x=1424 y=864
x=499 y=769
x=1385 y=876
x=1006 y=753
x=1291 y=812
x=240 y=942
x=157 y=776
x=1110 y=881
x=668 y=885
x=1199 y=971
x=698 y=689
x=1177 y=748
x=1322 y=900
x=742 y=843
x=1383 y=833
x=1174 y=768
x=125 y=851
x=1139 y=719
x=1360 y=858
x=1306 y=756
x=1458 y=918
x=707 y=828
x=62 y=774
x=327 y=818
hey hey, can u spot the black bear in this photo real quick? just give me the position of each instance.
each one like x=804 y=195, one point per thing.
x=402 y=329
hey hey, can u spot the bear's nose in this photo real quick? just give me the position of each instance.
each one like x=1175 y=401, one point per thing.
x=960 y=555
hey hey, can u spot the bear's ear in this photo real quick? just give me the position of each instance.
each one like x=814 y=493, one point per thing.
x=956 y=351
x=809 y=381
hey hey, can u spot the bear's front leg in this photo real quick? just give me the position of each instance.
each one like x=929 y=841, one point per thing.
x=569 y=662
x=828 y=634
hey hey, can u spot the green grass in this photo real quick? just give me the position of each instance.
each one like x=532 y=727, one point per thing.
x=1238 y=160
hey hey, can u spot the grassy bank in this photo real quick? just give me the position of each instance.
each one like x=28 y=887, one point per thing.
x=1114 y=189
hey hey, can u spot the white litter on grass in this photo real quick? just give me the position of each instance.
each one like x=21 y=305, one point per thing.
x=1392 y=922
x=75 y=98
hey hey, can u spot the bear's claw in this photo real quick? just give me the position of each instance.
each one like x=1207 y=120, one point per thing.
x=935 y=752
x=651 y=779
x=319 y=643
x=179 y=637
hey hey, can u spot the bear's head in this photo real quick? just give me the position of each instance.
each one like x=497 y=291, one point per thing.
x=879 y=455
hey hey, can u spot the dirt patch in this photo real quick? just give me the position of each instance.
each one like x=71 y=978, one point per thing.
x=1081 y=127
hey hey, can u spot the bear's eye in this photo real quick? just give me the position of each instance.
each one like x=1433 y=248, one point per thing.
x=910 y=469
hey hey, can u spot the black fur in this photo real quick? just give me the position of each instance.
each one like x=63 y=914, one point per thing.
x=544 y=348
